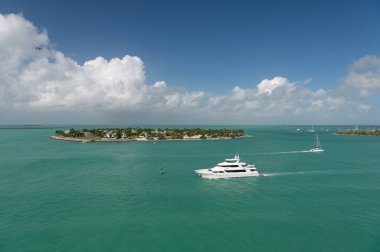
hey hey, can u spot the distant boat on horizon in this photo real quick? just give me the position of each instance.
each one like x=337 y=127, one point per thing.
x=312 y=129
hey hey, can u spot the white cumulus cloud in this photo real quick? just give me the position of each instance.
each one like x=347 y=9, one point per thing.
x=268 y=86
x=363 y=77
x=36 y=78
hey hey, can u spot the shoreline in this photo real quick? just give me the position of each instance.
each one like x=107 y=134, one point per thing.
x=343 y=134
x=105 y=140
x=359 y=133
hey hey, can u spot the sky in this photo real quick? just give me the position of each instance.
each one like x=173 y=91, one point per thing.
x=189 y=62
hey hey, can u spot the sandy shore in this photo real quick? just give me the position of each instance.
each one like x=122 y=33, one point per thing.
x=130 y=140
x=89 y=140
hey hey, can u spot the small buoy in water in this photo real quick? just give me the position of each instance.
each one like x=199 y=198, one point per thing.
x=162 y=172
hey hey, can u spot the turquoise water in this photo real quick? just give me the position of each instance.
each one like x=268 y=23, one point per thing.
x=67 y=196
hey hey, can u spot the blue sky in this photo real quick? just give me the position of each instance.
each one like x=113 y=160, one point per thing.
x=214 y=46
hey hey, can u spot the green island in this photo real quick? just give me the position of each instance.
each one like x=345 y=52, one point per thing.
x=144 y=134
x=359 y=132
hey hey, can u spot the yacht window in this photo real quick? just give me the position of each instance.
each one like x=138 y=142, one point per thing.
x=236 y=171
x=229 y=166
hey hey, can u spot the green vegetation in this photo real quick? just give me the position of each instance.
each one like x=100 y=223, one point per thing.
x=148 y=134
x=359 y=132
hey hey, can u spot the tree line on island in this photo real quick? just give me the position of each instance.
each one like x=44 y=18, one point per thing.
x=374 y=132
x=149 y=133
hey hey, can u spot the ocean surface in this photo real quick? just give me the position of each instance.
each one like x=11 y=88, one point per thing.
x=70 y=196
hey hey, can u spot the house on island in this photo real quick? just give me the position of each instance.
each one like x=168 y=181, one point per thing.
x=110 y=134
x=192 y=137
x=88 y=134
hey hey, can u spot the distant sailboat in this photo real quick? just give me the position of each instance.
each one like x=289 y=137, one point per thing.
x=312 y=129
x=318 y=147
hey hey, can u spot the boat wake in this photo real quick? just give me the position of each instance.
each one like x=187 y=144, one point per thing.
x=284 y=173
x=324 y=172
x=275 y=153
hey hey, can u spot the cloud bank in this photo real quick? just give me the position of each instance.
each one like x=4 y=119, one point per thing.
x=37 y=79
x=363 y=76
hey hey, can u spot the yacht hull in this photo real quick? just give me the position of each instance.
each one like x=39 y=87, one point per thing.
x=316 y=150
x=206 y=174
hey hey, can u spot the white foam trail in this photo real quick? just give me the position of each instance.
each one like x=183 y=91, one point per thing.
x=283 y=173
x=274 y=153
x=325 y=172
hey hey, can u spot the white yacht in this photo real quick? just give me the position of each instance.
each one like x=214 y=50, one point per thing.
x=230 y=168
x=318 y=147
